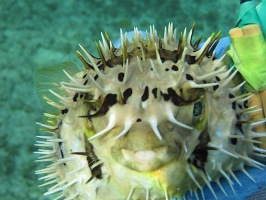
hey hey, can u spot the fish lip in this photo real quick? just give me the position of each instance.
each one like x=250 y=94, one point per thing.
x=144 y=156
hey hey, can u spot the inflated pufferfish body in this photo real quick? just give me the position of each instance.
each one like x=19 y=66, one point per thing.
x=153 y=119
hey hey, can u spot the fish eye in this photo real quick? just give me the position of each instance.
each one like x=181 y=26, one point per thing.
x=198 y=109
x=198 y=114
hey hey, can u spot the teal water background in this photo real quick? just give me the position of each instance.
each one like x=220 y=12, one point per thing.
x=36 y=33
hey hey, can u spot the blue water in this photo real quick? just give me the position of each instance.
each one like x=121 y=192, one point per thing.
x=44 y=32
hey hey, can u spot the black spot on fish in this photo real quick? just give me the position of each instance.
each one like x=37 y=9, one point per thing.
x=126 y=94
x=189 y=77
x=190 y=59
x=154 y=92
x=234 y=141
x=75 y=97
x=234 y=105
x=109 y=64
x=145 y=95
x=109 y=101
x=96 y=77
x=166 y=96
x=239 y=127
x=174 y=68
x=61 y=151
x=217 y=78
x=176 y=100
x=246 y=104
x=215 y=87
x=121 y=76
x=64 y=111
x=231 y=96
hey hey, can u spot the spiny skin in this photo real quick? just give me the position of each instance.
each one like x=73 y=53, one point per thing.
x=153 y=119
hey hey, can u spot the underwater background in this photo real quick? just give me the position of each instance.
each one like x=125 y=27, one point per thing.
x=39 y=33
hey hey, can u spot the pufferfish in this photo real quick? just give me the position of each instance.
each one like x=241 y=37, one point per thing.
x=154 y=118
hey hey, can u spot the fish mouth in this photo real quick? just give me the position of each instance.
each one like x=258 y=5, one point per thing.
x=145 y=160
x=140 y=149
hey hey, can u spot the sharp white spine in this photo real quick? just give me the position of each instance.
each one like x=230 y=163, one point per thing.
x=153 y=123
x=128 y=125
x=109 y=127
